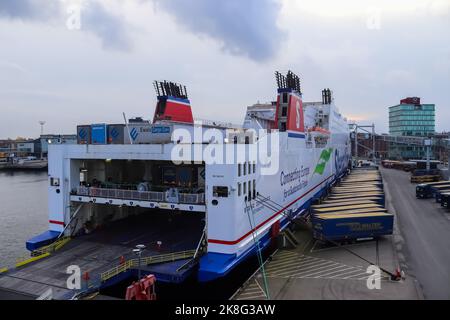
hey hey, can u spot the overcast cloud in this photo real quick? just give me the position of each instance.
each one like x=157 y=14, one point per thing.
x=370 y=53
x=243 y=27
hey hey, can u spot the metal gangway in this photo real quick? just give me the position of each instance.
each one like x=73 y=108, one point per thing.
x=145 y=261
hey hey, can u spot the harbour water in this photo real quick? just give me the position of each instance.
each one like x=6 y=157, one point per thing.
x=23 y=212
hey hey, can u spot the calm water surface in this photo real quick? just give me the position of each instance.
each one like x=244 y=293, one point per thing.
x=23 y=212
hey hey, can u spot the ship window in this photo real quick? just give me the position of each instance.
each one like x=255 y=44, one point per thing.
x=254 y=189
x=284 y=111
x=285 y=97
x=247 y=139
x=249 y=168
x=239 y=189
x=220 y=192
x=245 y=168
x=249 y=189
x=245 y=187
x=254 y=167
x=283 y=126
x=239 y=169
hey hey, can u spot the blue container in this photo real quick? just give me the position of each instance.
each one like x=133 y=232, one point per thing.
x=356 y=227
x=99 y=133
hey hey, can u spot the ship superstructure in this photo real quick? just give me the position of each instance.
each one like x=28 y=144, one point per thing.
x=241 y=186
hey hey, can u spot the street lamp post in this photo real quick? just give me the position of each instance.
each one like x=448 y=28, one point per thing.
x=138 y=251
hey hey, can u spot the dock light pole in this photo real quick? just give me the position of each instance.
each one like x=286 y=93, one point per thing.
x=42 y=123
x=138 y=252
x=427 y=144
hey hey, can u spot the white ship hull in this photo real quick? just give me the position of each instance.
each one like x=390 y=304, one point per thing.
x=244 y=203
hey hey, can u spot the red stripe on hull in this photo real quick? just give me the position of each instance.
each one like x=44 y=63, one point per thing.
x=57 y=222
x=226 y=242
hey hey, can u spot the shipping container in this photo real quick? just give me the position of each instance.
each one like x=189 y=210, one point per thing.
x=98 y=133
x=338 y=227
x=84 y=134
x=117 y=133
x=141 y=133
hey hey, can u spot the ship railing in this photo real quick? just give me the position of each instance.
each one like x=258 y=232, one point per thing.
x=191 y=197
x=55 y=246
x=42 y=252
x=145 y=261
x=188 y=198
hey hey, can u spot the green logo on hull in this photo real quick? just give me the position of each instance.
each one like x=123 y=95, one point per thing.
x=323 y=160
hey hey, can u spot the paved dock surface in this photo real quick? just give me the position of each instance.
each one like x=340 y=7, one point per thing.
x=424 y=244
x=313 y=271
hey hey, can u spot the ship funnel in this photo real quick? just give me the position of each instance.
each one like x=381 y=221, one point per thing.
x=289 y=112
x=173 y=103
x=289 y=81
x=326 y=96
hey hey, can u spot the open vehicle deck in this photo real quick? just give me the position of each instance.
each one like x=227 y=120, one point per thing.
x=100 y=251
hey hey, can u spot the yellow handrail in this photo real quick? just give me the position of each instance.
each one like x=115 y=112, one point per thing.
x=145 y=261
x=42 y=252
x=30 y=260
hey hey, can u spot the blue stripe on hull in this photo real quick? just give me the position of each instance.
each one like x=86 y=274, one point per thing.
x=296 y=135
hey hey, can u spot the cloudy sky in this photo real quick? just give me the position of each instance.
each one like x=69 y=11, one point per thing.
x=84 y=61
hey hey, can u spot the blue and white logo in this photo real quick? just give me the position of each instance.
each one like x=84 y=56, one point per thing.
x=134 y=134
x=114 y=133
x=82 y=133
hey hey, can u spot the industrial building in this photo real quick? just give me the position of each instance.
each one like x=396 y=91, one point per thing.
x=33 y=147
x=47 y=139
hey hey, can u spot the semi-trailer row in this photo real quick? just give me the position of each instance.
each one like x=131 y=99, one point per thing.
x=354 y=209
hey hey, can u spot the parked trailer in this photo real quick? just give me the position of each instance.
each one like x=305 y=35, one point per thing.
x=425 y=178
x=344 y=203
x=375 y=199
x=445 y=200
x=424 y=190
x=98 y=133
x=439 y=191
x=349 y=191
x=352 y=226
x=139 y=133
x=84 y=134
x=355 y=211
x=352 y=196
x=365 y=177
x=361 y=184
x=342 y=208
x=117 y=134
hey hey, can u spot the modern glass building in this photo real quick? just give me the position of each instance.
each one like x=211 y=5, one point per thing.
x=411 y=118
